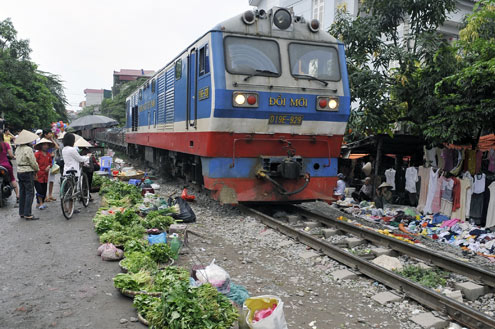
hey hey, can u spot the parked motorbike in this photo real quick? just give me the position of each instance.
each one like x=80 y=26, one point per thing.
x=5 y=186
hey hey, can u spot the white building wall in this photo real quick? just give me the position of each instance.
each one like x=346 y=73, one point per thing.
x=93 y=99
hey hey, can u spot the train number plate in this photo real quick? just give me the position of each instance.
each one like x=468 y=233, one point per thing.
x=285 y=119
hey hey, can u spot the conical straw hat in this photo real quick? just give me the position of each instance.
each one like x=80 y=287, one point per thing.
x=81 y=142
x=43 y=141
x=25 y=137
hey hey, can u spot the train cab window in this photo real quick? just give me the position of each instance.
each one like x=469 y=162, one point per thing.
x=321 y=62
x=153 y=85
x=178 y=69
x=140 y=94
x=252 y=56
x=204 y=61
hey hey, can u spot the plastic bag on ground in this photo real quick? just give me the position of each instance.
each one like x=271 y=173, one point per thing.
x=273 y=320
x=185 y=214
x=109 y=252
x=216 y=276
x=158 y=238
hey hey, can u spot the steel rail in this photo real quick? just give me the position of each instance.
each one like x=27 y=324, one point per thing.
x=454 y=265
x=459 y=312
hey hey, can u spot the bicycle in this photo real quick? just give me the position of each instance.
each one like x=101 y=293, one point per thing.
x=72 y=189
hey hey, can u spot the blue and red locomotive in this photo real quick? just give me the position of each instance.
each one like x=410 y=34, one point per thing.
x=255 y=110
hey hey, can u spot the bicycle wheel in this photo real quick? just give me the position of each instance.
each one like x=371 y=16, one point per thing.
x=84 y=190
x=66 y=198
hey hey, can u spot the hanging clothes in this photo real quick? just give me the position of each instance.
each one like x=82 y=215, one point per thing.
x=465 y=185
x=491 y=159
x=469 y=192
x=486 y=199
x=479 y=159
x=456 y=194
x=471 y=161
x=440 y=160
x=424 y=174
x=460 y=160
x=477 y=199
x=479 y=183
x=430 y=155
x=437 y=199
x=411 y=179
x=490 y=218
x=447 y=196
x=390 y=177
x=432 y=186
x=447 y=155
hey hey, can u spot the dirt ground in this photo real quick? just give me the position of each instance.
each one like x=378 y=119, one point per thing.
x=51 y=276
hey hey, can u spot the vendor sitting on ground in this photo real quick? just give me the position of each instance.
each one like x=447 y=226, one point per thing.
x=340 y=188
x=365 y=193
x=383 y=195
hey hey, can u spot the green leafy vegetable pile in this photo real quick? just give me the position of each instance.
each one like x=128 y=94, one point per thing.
x=181 y=306
x=137 y=261
x=99 y=180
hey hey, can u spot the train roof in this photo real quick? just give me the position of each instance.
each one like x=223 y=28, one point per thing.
x=262 y=26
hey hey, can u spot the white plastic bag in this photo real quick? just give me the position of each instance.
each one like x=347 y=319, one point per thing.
x=216 y=276
x=276 y=320
x=110 y=252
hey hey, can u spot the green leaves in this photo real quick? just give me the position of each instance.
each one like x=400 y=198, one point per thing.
x=29 y=98
x=383 y=65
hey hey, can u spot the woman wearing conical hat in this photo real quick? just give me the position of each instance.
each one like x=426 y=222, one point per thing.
x=26 y=169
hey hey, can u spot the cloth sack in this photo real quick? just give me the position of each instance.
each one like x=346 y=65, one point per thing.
x=109 y=252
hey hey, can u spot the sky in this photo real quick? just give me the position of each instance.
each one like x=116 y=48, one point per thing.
x=85 y=41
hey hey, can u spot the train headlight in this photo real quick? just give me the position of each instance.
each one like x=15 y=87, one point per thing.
x=327 y=103
x=240 y=99
x=282 y=19
x=245 y=99
x=314 y=25
x=333 y=104
x=248 y=17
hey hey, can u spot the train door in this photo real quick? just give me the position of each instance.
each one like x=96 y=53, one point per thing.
x=192 y=89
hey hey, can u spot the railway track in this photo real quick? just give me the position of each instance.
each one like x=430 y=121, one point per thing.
x=456 y=310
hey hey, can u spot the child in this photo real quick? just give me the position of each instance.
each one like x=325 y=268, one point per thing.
x=44 y=160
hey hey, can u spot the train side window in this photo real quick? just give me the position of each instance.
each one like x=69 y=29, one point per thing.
x=204 y=63
x=178 y=69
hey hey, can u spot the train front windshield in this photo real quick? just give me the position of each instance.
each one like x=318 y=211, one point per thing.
x=252 y=56
x=321 y=62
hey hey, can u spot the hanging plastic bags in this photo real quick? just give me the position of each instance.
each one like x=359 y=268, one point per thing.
x=269 y=311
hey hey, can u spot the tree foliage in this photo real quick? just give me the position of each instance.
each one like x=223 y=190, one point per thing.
x=382 y=59
x=467 y=94
x=29 y=98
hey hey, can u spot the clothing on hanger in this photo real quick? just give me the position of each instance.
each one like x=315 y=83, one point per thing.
x=469 y=193
x=479 y=183
x=411 y=179
x=424 y=174
x=430 y=155
x=390 y=177
x=437 y=199
x=490 y=215
x=432 y=187
x=491 y=159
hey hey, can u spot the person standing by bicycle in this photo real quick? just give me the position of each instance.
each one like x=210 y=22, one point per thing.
x=72 y=159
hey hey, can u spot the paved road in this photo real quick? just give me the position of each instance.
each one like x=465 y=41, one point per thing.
x=51 y=276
